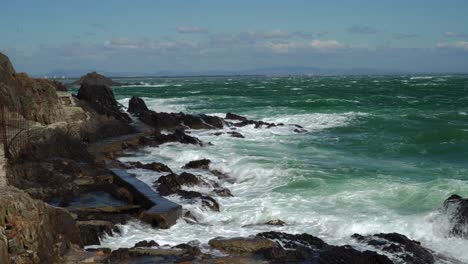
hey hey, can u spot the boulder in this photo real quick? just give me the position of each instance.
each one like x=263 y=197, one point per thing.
x=456 y=209
x=177 y=136
x=172 y=183
x=407 y=250
x=94 y=78
x=236 y=134
x=232 y=116
x=206 y=200
x=154 y=166
x=242 y=244
x=92 y=231
x=102 y=100
x=146 y=244
x=32 y=231
x=137 y=106
x=198 y=164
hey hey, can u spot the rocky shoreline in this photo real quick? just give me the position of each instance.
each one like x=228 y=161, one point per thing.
x=66 y=187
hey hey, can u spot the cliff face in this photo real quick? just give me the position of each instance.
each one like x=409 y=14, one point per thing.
x=32 y=231
x=36 y=99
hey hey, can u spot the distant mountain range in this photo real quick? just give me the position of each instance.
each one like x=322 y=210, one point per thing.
x=273 y=71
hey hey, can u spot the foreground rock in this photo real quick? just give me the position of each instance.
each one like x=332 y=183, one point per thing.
x=203 y=164
x=456 y=209
x=32 y=231
x=403 y=248
x=94 y=78
x=279 y=247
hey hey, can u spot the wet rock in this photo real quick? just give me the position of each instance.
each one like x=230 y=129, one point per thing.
x=276 y=222
x=198 y=164
x=456 y=209
x=223 y=192
x=172 y=183
x=409 y=251
x=146 y=244
x=190 y=218
x=91 y=231
x=218 y=134
x=178 y=136
x=137 y=106
x=154 y=166
x=236 y=134
x=304 y=247
x=171 y=121
x=232 y=116
x=102 y=100
x=300 y=130
x=242 y=244
x=206 y=200
x=177 y=254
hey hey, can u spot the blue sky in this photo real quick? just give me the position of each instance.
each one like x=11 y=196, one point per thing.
x=201 y=36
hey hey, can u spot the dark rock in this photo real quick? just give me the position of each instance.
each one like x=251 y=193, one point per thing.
x=91 y=231
x=154 y=166
x=304 y=247
x=456 y=209
x=146 y=244
x=276 y=222
x=102 y=100
x=198 y=164
x=409 y=251
x=137 y=106
x=190 y=218
x=172 y=183
x=236 y=134
x=171 y=121
x=178 y=136
x=94 y=78
x=218 y=134
x=224 y=192
x=232 y=116
x=206 y=200
x=242 y=244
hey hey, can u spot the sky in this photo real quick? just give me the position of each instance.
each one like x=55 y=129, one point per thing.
x=198 y=36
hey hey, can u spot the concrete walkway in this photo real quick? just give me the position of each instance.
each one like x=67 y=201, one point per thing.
x=3 y=179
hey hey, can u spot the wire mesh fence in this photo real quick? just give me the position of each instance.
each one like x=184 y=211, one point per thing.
x=14 y=129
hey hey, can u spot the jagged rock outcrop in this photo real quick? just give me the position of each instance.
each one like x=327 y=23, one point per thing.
x=277 y=247
x=407 y=250
x=35 y=99
x=32 y=231
x=456 y=209
x=172 y=121
x=203 y=164
x=102 y=100
x=94 y=78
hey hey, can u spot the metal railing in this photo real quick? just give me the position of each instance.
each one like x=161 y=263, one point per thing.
x=14 y=129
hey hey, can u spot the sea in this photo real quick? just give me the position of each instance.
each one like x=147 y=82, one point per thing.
x=380 y=155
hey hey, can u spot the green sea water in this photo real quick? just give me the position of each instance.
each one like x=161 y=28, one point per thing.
x=381 y=154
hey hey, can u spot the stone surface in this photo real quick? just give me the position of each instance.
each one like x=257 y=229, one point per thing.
x=32 y=231
x=154 y=166
x=198 y=164
x=91 y=231
x=160 y=212
x=456 y=209
x=137 y=106
x=403 y=248
x=242 y=244
x=102 y=100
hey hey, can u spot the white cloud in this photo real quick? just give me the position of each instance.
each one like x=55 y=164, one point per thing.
x=190 y=30
x=453 y=34
x=322 y=46
x=457 y=45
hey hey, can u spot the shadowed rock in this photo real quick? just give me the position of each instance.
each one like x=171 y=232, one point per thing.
x=102 y=100
x=137 y=106
x=146 y=244
x=198 y=164
x=456 y=209
x=409 y=251
x=232 y=116
x=154 y=166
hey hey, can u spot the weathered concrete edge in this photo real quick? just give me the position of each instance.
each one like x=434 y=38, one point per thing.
x=160 y=212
